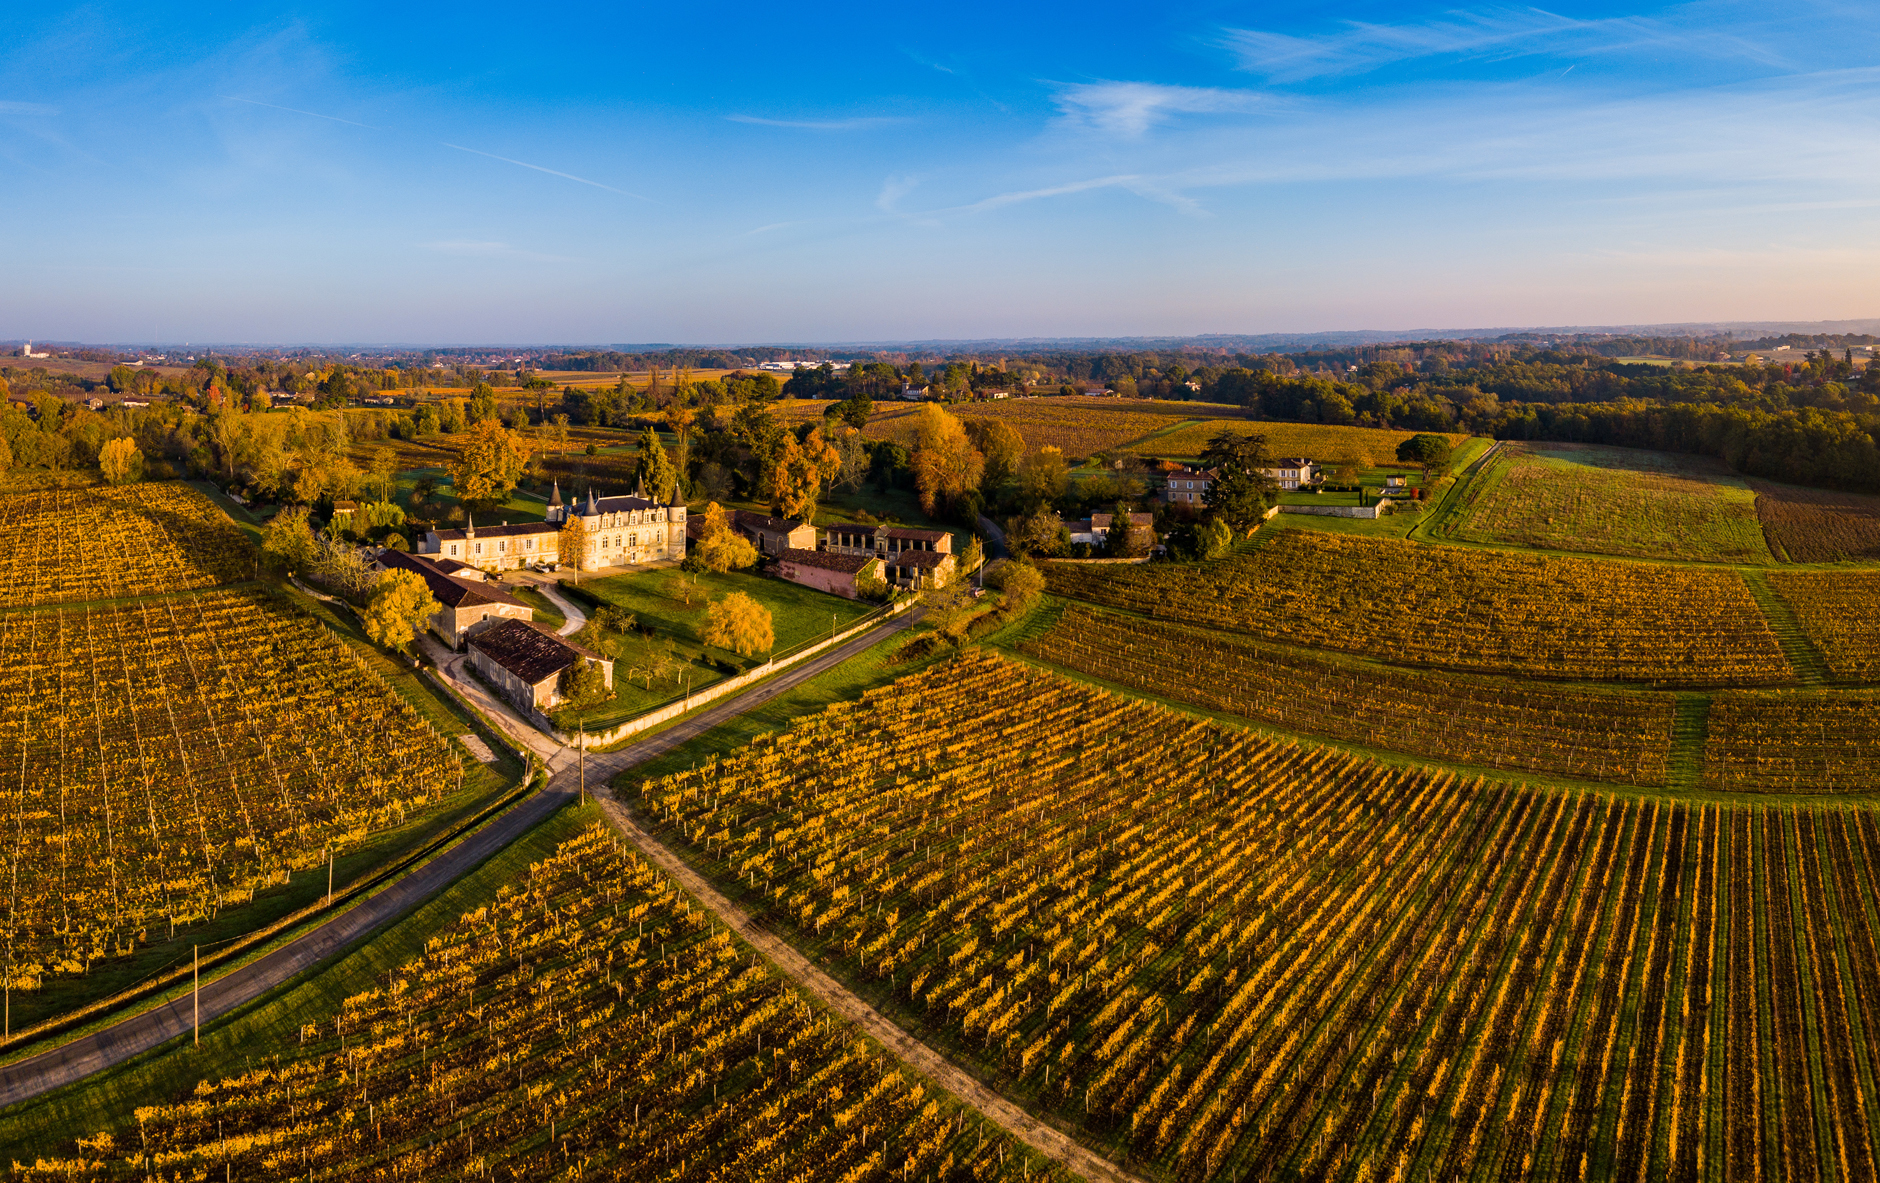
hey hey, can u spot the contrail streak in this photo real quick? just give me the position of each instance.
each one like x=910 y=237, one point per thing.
x=297 y=111
x=551 y=172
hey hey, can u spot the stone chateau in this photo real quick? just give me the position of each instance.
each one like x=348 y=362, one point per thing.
x=620 y=531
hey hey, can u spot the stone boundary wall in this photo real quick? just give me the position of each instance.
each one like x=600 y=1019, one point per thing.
x=673 y=710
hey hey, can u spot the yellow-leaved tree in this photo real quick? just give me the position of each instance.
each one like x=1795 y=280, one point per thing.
x=740 y=624
x=488 y=465
x=720 y=548
x=946 y=465
x=121 y=462
x=572 y=546
x=400 y=606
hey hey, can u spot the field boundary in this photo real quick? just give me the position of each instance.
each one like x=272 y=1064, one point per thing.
x=1690 y=729
x=1046 y=1139
x=1811 y=669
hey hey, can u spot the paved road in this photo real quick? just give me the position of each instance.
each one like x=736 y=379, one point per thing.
x=140 y=1033
x=1044 y=1139
x=995 y=538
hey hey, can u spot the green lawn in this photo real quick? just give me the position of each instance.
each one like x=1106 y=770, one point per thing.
x=545 y=611
x=650 y=670
x=270 y=1027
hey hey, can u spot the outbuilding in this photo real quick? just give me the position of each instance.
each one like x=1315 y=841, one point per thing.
x=525 y=661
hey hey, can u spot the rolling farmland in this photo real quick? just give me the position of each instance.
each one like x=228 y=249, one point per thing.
x=1609 y=736
x=1619 y=501
x=1817 y=525
x=1326 y=443
x=164 y=759
x=1837 y=612
x=1794 y=742
x=1240 y=958
x=1460 y=608
x=587 y=1023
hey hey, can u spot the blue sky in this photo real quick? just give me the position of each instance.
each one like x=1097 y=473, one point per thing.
x=745 y=173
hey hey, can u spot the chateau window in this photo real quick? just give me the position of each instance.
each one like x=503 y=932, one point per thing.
x=453 y=550
x=479 y=548
x=528 y=544
x=616 y=542
x=502 y=548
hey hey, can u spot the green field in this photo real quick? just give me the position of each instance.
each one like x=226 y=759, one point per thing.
x=651 y=669
x=1616 y=501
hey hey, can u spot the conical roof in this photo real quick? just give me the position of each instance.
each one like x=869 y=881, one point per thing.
x=593 y=507
x=556 y=499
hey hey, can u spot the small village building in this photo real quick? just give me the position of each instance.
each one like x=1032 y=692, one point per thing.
x=1188 y=486
x=1291 y=472
x=525 y=662
x=343 y=512
x=773 y=536
x=827 y=571
x=468 y=605
x=505 y=547
x=920 y=569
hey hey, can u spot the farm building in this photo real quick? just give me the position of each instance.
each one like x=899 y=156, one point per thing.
x=884 y=541
x=1291 y=472
x=469 y=604
x=526 y=661
x=827 y=571
x=919 y=569
x=773 y=536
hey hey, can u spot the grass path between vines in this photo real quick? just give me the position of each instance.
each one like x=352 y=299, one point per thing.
x=1045 y=1139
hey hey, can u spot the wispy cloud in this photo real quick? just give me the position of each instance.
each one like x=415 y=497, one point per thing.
x=892 y=191
x=488 y=250
x=11 y=107
x=858 y=123
x=551 y=172
x=1132 y=108
x=297 y=111
x=1359 y=47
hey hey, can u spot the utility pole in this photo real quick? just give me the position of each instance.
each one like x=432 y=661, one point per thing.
x=584 y=762
x=196 y=970
x=329 y=876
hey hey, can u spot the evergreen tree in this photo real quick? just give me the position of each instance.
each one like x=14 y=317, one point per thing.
x=655 y=473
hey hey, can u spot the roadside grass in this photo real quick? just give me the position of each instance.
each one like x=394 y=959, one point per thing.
x=269 y=1027
x=1614 y=501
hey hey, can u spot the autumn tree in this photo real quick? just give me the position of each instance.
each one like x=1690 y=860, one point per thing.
x=288 y=540
x=488 y=465
x=1043 y=475
x=946 y=465
x=583 y=684
x=121 y=462
x=797 y=472
x=571 y=547
x=1041 y=532
x=740 y=624
x=720 y=548
x=1001 y=445
x=398 y=609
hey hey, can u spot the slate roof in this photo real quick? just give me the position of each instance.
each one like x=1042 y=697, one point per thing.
x=448 y=590
x=918 y=558
x=510 y=531
x=529 y=651
x=848 y=564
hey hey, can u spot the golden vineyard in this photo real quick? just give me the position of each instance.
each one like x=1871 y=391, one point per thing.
x=1236 y=957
